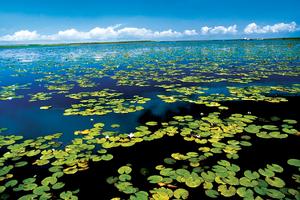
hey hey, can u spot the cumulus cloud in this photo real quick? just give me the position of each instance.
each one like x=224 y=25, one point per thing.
x=115 y=33
x=98 y=34
x=190 y=32
x=276 y=28
x=21 y=35
x=219 y=30
x=112 y=33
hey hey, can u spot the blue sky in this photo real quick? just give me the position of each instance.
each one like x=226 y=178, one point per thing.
x=112 y=20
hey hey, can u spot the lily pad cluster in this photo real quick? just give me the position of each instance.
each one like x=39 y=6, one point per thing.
x=104 y=102
x=213 y=136
x=103 y=80
x=40 y=96
x=10 y=92
x=198 y=95
x=223 y=179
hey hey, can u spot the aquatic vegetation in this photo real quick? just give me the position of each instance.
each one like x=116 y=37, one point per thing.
x=40 y=96
x=213 y=135
x=9 y=92
x=105 y=103
x=294 y=162
x=253 y=93
x=45 y=107
x=176 y=101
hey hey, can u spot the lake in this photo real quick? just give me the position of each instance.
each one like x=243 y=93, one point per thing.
x=151 y=120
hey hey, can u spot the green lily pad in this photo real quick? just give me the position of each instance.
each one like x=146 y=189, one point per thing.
x=29 y=180
x=29 y=186
x=41 y=190
x=151 y=123
x=227 y=191
x=181 y=193
x=270 y=127
x=244 y=181
x=155 y=179
x=212 y=193
x=2 y=188
x=49 y=180
x=107 y=157
x=124 y=170
x=140 y=195
x=68 y=195
x=275 y=168
x=290 y=121
x=261 y=190
x=289 y=131
x=208 y=176
x=183 y=172
x=244 y=192
x=252 y=129
x=115 y=125
x=266 y=172
x=58 y=185
x=112 y=180
x=275 y=194
x=21 y=164
x=193 y=182
x=11 y=183
x=170 y=161
x=207 y=185
x=294 y=162
x=124 y=177
x=6 y=169
x=275 y=181
x=45 y=107
x=251 y=175
x=70 y=170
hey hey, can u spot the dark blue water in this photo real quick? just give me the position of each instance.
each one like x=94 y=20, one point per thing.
x=42 y=66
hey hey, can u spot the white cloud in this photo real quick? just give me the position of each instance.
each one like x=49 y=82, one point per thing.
x=168 y=33
x=70 y=34
x=97 y=34
x=276 y=28
x=190 y=32
x=219 y=30
x=133 y=32
x=205 y=30
x=21 y=35
x=111 y=33
x=115 y=33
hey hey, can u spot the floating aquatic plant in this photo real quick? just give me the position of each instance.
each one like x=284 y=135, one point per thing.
x=212 y=77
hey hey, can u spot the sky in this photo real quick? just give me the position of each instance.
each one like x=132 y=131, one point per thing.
x=60 y=21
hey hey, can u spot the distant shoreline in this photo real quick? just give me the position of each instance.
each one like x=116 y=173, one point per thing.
x=132 y=42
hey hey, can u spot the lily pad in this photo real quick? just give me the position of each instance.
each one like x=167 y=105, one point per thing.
x=212 y=193
x=181 y=193
x=294 y=162
x=227 y=191
x=275 y=182
x=124 y=170
x=155 y=179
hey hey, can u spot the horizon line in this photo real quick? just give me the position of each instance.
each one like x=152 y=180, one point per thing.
x=21 y=45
